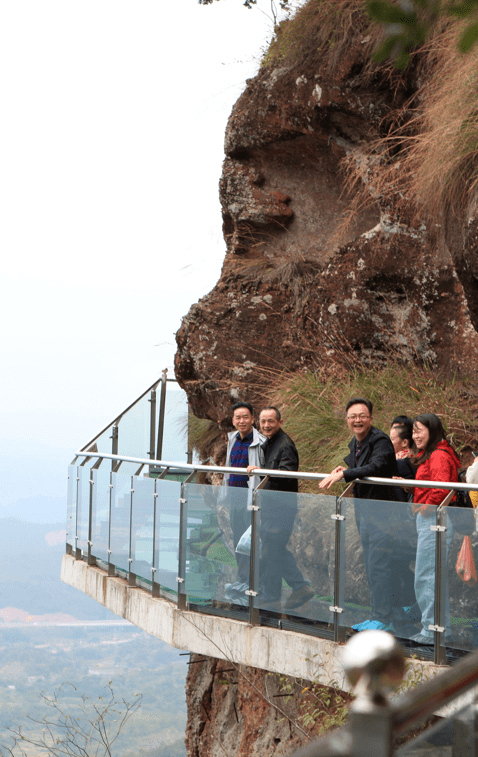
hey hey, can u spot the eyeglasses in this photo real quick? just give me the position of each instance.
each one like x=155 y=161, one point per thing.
x=360 y=417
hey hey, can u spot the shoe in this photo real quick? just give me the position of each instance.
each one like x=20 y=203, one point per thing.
x=420 y=638
x=372 y=625
x=299 y=597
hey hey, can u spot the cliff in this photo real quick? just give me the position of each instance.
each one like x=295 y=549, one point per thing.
x=322 y=268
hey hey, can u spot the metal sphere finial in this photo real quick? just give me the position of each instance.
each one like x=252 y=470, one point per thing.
x=374 y=662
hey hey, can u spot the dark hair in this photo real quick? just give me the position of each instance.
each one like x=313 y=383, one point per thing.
x=275 y=409
x=238 y=405
x=405 y=432
x=436 y=432
x=403 y=420
x=359 y=401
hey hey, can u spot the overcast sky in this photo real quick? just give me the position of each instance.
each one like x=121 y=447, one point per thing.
x=113 y=118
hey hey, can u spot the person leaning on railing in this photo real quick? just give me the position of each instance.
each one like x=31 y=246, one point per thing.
x=371 y=454
x=436 y=461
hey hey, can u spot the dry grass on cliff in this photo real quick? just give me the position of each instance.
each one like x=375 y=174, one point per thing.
x=430 y=153
x=323 y=30
x=313 y=407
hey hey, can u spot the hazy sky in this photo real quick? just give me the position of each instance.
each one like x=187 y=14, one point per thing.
x=113 y=117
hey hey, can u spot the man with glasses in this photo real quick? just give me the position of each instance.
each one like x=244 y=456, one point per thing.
x=371 y=454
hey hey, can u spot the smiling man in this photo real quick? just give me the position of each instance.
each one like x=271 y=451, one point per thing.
x=243 y=450
x=371 y=454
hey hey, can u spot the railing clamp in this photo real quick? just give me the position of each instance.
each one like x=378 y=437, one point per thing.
x=90 y=543
x=336 y=609
x=130 y=560
x=77 y=478
x=180 y=580
x=438 y=528
x=253 y=507
x=182 y=501
x=155 y=494
x=109 y=551
x=132 y=491
x=250 y=593
x=153 y=570
x=111 y=486
x=440 y=629
x=91 y=481
x=335 y=516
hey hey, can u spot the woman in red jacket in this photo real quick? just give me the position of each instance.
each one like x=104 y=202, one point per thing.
x=436 y=461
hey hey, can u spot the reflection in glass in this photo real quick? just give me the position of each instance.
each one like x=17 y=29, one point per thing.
x=166 y=537
x=71 y=505
x=120 y=520
x=296 y=567
x=381 y=544
x=217 y=519
x=100 y=513
x=142 y=528
x=463 y=595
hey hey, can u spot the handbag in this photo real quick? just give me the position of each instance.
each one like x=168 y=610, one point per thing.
x=465 y=563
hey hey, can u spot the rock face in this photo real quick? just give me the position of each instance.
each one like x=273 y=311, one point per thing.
x=237 y=710
x=298 y=287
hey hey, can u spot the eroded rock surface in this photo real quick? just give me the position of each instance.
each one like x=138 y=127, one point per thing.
x=297 y=288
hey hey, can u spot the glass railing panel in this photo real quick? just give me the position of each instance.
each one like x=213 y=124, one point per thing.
x=459 y=603
x=380 y=555
x=295 y=570
x=166 y=537
x=120 y=520
x=71 y=505
x=216 y=519
x=83 y=512
x=134 y=430
x=142 y=528
x=100 y=518
x=103 y=443
x=175 y=437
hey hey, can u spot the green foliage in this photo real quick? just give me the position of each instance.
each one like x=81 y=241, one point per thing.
x=409 y=23
x=321 y=707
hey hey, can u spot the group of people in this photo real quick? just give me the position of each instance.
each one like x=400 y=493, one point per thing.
x=392 y=538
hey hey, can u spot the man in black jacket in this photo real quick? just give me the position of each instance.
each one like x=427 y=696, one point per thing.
x=277 y=517
x=371 y=454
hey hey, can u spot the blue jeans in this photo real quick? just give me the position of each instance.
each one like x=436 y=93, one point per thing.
x=425 y=574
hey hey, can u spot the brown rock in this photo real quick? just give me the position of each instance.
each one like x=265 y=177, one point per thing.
x=294 y=292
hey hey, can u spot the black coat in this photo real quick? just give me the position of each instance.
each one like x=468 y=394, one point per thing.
x=377 y=458
x=280 y=453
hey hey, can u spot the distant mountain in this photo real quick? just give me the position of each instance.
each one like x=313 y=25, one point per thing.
x=30 y=562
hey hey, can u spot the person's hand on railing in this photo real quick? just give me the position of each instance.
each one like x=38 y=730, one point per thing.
x=250 y=468
x=332 y=478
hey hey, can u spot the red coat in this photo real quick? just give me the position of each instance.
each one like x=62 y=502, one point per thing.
x=442 y=465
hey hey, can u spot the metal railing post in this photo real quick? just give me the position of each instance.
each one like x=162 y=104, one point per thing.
x=131 y=575
x=337 y=609
x=255 y=535
x=114 y=443
x=162 y=409
x=182 y=544
x=439 y=654
x=152 y=424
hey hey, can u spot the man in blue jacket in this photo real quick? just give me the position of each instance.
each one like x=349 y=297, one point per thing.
x=371 y=454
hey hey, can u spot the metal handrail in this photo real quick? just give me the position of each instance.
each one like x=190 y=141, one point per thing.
x=301 y=475
x=126 y=410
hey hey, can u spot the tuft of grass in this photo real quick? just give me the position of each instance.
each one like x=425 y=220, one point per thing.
x=313 y=407
x=322 y=31
x=429 y=151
